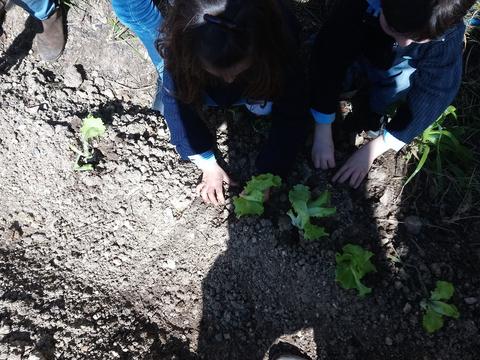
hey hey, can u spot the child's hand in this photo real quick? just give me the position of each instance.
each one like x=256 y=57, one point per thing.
x=323 y=150
x=211 y=187
x=358 y=165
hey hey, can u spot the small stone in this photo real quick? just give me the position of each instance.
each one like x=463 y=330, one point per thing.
x=470 y=300
x=36 y=355
x=436 y=269
x=385 y=241
x=398 y=285
x=72 y=77
x=387 y=197
x=117 y=262
x=284 y=223
x=99 y=81
x=170 y=264
x=413 y=224
x=5 y=330
x=168 y=213
x=109 y=94
x=388 y=341
x=407 y=308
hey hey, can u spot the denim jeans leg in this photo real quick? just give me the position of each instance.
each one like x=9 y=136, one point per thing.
x=144 y=19
x=40 y=9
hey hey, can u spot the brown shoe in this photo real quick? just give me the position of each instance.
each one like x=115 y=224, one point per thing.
x=51 y=42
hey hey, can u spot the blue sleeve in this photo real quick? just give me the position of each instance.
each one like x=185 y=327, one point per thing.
x=188 y=132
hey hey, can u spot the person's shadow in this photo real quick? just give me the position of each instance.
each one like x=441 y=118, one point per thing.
x=21 y=46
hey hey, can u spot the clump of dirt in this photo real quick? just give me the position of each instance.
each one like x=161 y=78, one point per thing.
x=125 y=262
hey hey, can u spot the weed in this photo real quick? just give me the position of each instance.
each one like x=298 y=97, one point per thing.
x=75 y=4
x=121 y=33
x=439 y=150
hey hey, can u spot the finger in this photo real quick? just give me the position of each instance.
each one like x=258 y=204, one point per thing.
x=199 y=188
x=221 y=198
x=212 y=197
x=359 y=180
x=339 y=173
x=316 y=162
x=354 y=178
x=348 y=172
x=204 y=195
x=324 y=164
x=331 y=163
x=226 y=179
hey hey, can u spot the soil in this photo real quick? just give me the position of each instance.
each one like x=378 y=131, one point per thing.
x=125 y=262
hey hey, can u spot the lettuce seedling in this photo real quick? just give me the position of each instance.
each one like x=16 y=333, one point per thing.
x=250 y=201
x=92 y=127
x=352 y=266
x=304 y=209
x=435 y=309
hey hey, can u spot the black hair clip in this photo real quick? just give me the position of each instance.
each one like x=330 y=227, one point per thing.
x=220 y=21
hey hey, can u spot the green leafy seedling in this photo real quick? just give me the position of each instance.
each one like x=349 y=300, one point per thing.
x=92 y=128
x=304 y=208
x=352 y=266
x=250 y=201
x=436 y=309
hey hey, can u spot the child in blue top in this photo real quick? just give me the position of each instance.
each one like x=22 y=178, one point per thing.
x=410 y=53
x=232 y=52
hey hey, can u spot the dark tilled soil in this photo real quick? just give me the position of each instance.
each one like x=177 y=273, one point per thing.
x=126 y=263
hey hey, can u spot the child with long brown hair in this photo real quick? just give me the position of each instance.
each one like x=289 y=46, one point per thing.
x=232 y=52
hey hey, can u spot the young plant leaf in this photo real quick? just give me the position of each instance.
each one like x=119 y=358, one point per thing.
x=352 y=266
x=85 y=167
x=250 y=201
x=304 y=208
x=313 y=232
x=443 y=291
x=436 y=309
x=92 y=127
x=445 y=309
x=432 y=321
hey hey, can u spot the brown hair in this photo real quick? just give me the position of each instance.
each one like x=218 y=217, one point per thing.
x=222 y=33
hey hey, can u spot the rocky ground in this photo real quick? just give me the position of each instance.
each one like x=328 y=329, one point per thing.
x=125 y=262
